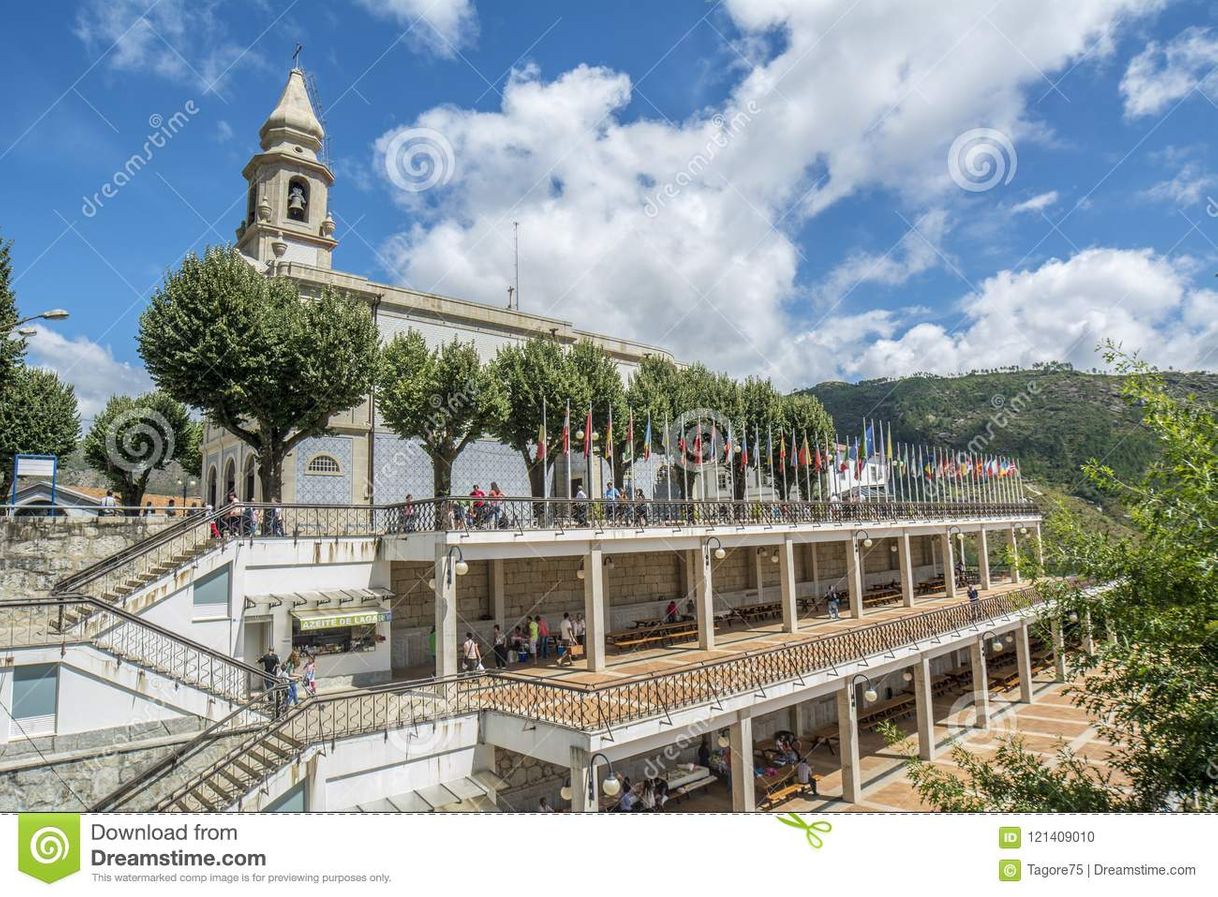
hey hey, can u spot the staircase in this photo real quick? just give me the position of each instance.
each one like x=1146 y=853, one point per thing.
x=239 y=772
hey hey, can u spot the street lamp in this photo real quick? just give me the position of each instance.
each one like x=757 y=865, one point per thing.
x=460 y=567
x=55 y=314
x=866 y=540
x=612 y=785
x=719 y=551
x=870 y=695
x=996 y=643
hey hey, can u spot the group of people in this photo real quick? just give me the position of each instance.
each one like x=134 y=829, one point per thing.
x=530 y=639
x=287 y=676
x=650 y=797
x=109 y=507
x=246 y=520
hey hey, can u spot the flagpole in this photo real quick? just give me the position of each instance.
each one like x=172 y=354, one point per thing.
x=545 y=456
x=567 y=446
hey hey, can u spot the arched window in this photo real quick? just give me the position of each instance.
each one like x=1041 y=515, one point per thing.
x=298 y=199
x=211 y=486
x=230 y=480
x=250 y=479
x=325 y=465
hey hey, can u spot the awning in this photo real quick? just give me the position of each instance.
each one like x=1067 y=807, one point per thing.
x=461 y=795
x=331 y=609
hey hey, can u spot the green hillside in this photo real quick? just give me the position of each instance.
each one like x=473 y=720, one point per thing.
x=1052 y=418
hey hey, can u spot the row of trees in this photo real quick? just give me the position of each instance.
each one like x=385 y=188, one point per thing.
x=273 y=370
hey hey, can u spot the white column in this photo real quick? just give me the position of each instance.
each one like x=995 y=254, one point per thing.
x=594 y=608
x=948 y=551
x=446 y=612
x=744 y=795
x=924 y=709
x=983 y=558
x=1088 y=631
x=981 y=684
x=1014 y=555
x=905 y=564
x=1023 y=662
x=1059 y=651
x=786 y=575
x=704 y=601
x=315 y=790
x=854 y=578
x=581 y=775
x=848 y=743
x=498 y=610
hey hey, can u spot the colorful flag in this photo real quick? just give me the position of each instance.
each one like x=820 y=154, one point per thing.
x=566 y=432
x=588 y=434
x=744 y=447
x=609 y=437
x=805 y=458
x=647 y=439
x=794 y=450
x=541 y=441
x=782 y=449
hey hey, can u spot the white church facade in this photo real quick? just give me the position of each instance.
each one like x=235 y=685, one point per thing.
x=289 y=231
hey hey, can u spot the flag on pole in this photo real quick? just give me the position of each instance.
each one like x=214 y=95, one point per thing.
x=794 y=451
x=647 y=439
x=782 y=449
x=588 y=434
x=744 y=447
x=566 y=432
x=805 y=458
x=609 y=437
x=541 y=437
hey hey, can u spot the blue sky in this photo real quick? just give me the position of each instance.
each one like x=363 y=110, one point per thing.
x=768 y=186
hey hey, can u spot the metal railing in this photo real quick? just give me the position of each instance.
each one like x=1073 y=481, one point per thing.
x=322 y=719
x=588 y=708
x=597 y=708
x=66 y=620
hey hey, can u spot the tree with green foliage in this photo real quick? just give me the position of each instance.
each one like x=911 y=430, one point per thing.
x=12 y=346
x=265 y=363
x=445 y=397
x=805 y=416
x=599 y=386
x=136 y=435
x=1151 y=689
x=38 y=415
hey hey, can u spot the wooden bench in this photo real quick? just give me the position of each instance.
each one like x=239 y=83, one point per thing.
x=775 y=796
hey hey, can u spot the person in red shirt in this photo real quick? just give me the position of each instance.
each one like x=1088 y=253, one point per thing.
x=478 y=506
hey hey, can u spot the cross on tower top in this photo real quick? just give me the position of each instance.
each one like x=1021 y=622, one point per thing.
x=296 y=56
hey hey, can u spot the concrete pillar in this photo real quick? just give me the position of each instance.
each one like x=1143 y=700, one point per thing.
x=1088 y=631
x=594 y=608
x=786 y=576
x=905 y=565
x=1059 y=652
x=686 y=571
x=760 y=558
x=854 y=578
x=704 y=600
x=497 y=591
x=744 y=795
x=1014 y=556
x=446 y=612
x=581 y=775
x=924 y=709
x=948 y=550
x=1023 y=662
x=848 y=743
x=793 y=719
x=814 y=566
x=983 y=558
x=981 y=684
x=315 y=789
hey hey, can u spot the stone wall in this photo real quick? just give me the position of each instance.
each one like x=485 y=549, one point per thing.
x=36 y=551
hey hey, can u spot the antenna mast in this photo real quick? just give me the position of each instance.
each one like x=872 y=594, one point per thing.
x=516 y=235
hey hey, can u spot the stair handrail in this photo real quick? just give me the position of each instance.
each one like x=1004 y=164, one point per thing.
x=73 y=582
x=124 y=617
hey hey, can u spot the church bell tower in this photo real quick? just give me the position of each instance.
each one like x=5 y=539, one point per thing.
x=287 y=218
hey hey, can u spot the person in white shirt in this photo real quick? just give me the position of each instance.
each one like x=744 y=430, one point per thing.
x=566 y=638
x=471 y=653
x=581 y=628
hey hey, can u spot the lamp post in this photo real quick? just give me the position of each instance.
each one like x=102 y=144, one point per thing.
x=719 y=551
x=866 y=538
x=54 y=314
x=460 y=567
x=996 y=643
x=612 y=785
x=870 y=695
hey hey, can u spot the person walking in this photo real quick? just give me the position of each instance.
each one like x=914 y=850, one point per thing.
x=566 y=638
x=310 y=676
x=108 y=504
x=471 y=653
x=269 y=663
x=499 y=646
x=834 y=606
x=581 y=628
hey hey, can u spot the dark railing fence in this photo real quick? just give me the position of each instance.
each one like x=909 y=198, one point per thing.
x=588 y=708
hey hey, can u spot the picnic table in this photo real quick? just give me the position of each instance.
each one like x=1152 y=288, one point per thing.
x=750 y=612
x=660 y=634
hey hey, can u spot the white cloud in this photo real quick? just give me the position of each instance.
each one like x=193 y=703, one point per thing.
x=1163 y=74
x=918 y=250
x=1037 y=203
x=681 y=233
x=1058 y=312
x=438 y=26
x=176 y=39
x=88 y=366
x=1186 y=188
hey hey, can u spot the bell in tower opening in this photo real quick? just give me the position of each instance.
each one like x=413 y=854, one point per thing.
x=298 y=200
